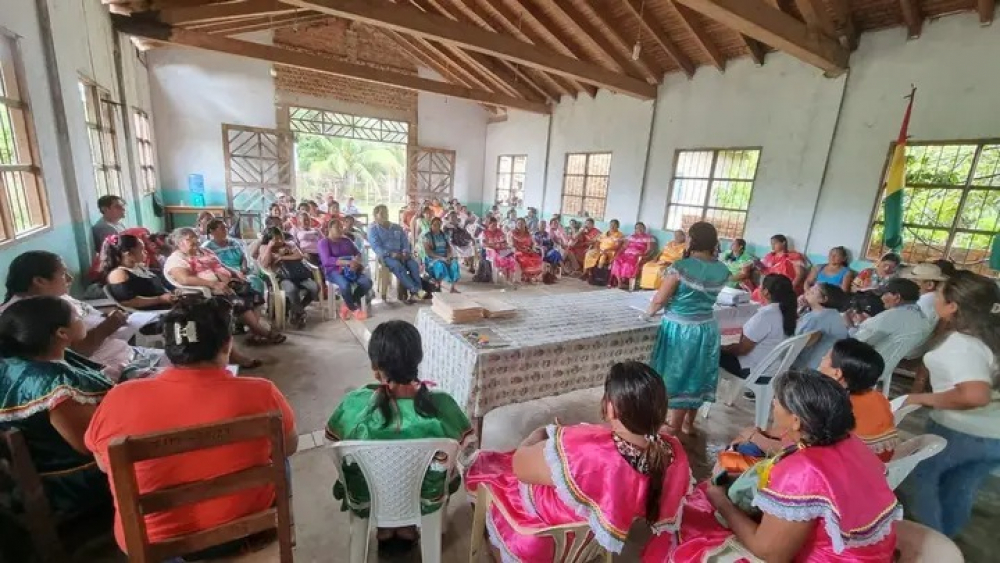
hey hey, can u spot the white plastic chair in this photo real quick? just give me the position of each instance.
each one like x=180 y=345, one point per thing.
x=892 y=350
x=276 y=304
x=919 y=544
x=143 y=340
x=899 y=411
x=909 y=454
x=394 y=471
x=583 y=548
x=186 y=288
x=773 y=365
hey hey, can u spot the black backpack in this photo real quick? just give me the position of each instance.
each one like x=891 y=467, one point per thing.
x=484 y=273
x=599 y=276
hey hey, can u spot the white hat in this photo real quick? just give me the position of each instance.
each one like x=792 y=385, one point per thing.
x=924 y=272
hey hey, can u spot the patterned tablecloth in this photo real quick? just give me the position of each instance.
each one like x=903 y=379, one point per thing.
x=559 y=344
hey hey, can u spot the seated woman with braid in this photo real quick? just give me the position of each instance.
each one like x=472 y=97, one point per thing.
x=398 y=407
x=603 y=475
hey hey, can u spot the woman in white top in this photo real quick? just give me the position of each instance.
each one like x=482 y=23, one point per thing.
x=768 y=327
x=963 y=373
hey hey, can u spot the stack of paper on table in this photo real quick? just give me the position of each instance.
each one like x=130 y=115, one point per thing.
x=454 y=308
x=495 y=308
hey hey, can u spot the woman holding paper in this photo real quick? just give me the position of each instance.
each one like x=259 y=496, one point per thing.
x=686 y=353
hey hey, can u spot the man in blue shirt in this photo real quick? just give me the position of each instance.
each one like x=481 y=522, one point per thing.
x=392 y=246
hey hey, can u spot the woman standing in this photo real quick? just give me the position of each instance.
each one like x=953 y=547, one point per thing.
x=343 y=266
x=686 y=353
x=420 y=225
x=963 y=369
x=295 y=278
x=525 y=254
x=439 y=260
x=835 y=272
x=627 y=264
x=785 y=262
x=497 y=249
x=606 y=475
x=231 y=253
x=50 y=393
x=607 y=247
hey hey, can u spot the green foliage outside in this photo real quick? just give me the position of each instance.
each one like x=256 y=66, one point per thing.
x=371 y=172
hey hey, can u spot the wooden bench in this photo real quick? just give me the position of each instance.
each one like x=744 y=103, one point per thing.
x=133 y=505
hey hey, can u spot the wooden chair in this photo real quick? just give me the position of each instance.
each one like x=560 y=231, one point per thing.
x=38 y=520
x=133 y=505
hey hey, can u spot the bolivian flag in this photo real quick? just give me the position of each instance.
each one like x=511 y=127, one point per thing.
x=895 y=181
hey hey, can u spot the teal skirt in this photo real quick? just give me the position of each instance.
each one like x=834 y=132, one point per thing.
x=686 y=356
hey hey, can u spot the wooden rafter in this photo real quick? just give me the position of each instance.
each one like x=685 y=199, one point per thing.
x=701 y=37
x=177 y=36
x=651 y=69
x=503 y=71
x=850 y=34
x=221 y=12
x=776 y=28
x=655 y=29
x=816 y=16
x=757 y=50
x=986 y=9
x=498 y=22
x=584 y=28
x=414 y=22
x=913 y=17
x=260 y=23
x=500 y=16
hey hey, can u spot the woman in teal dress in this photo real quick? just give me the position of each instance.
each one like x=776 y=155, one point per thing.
x=686 y=353
x=439 y=259
x=398 y=407
x=50 y=393
x=231 y=253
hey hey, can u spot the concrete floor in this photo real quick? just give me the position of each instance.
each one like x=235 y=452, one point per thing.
x=319 y=364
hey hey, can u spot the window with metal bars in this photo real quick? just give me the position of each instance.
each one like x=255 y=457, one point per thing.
x=101 y=114
x=712 y=185
x=144 y=149
x=585 y=184
x=510 y=179
x=23 y=207
x=951 y=204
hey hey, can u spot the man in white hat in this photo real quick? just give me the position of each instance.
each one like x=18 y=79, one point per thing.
x=929 y=276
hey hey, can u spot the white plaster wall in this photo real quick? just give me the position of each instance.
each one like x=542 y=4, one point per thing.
x=606 y=123
x=459 y=125
x=786 y=108
x=193 y=93
x=954 y=67
x=523 y=133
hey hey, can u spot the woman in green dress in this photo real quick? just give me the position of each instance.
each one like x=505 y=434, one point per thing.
x=398 y=407
x=231 y=253
x=49 y=394
x=740 y=264
x=686 y=352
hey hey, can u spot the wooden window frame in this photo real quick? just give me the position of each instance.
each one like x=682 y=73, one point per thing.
x=586 y=176
x=22 y=169
x=966 y=187
x=507 y=177
x=145 y=156
x=100 y=114
x=712 y=180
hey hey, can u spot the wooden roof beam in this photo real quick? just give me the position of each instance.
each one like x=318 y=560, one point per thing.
x=649 y=25
x=757 y=50
x=913 y=17
x=439 y=28
x=218 y=12
x=259 y=24
x=701 y=37
x=850 y=34
x=776 y=28
x=497 y=20
x=307 y=61
x=986 y=9
x=816 y=17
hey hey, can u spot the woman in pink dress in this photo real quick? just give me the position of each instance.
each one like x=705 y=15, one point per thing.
x=786 y=262
x=602 y=475
x=823 y=499
x=627 y=264
x=497 y=249
x=525 y=254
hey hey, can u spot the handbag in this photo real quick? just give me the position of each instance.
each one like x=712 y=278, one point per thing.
x=293 y=270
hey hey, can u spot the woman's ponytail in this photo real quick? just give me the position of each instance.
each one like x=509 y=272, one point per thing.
x=657 y=453
x=423 y=403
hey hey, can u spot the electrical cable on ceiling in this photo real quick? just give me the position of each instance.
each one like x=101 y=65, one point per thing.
x=637 y=48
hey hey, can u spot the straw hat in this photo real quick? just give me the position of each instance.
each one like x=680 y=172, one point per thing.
x=924 y=272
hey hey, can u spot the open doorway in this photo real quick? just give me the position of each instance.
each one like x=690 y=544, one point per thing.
x=348 y=156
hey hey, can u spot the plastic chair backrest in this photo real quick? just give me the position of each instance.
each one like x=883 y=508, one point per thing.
x=919 y=544
x=186 y=288
x=394 y=471
x=899 y=411
x=893 y=349
x=780 y=359
x=909 y=454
